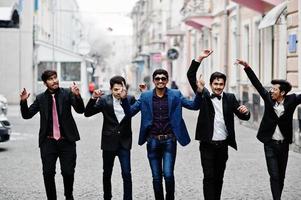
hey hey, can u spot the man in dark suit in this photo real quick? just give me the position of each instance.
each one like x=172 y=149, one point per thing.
x=58 y=132
x=161 y=127
x=116 y=139
x=276 y=127
x=215 y=127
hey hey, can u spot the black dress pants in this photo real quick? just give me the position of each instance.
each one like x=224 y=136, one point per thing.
x=276 y=155
x=66 y=152
x=213 y=157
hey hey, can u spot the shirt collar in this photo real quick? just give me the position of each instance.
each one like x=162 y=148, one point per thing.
x=280 y=103
x=115 y=100
x=55 y=92
x=155 y=94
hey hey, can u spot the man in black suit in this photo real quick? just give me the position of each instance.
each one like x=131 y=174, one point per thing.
x=116 y=139
x=58 y=132
x=215 y=127
x=276 y=127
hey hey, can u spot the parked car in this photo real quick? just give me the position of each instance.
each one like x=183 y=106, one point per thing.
x=5 y=127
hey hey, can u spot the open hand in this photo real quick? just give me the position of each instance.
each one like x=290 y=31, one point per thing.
x=123 y=92
x=205 y=53
x=142 y=87
x=242 y=62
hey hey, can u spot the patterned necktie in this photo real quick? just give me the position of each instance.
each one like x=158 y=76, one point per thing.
x=55 y=120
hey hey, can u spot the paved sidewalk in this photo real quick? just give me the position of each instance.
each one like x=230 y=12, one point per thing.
x=246 y=175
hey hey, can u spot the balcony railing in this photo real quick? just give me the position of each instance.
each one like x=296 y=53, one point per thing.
x=196 y=8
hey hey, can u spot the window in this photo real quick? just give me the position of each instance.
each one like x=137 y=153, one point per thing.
x=70 y=71
x=42 y=66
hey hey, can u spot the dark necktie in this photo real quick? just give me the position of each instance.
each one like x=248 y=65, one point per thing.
x=215 y=95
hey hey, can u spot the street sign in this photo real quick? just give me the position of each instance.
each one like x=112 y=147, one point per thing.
x=172 y=54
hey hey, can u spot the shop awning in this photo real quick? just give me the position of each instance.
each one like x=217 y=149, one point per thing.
x=258 y=5
x=199 y=22
x=7 y=8
x=272 y=16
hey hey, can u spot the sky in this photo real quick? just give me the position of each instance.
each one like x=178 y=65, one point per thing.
x=109 y=15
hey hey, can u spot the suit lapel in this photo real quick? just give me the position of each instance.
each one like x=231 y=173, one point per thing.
x=45 y=104
x=225 y=105
x=208 y=99
x=60 y=101
x=150 y=101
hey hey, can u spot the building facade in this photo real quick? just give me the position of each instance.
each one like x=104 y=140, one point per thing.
x=38 y=35
x=263 y=32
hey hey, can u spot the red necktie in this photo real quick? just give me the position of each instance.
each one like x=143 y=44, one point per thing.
x=55 y=120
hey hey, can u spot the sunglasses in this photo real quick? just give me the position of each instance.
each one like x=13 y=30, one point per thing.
x=160 y=78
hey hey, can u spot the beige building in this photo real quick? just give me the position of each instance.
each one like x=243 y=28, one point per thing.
x=263 y=32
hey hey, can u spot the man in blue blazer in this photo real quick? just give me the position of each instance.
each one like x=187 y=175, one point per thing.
x=161 y=127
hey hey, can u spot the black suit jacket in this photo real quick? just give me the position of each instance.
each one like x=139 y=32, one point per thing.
x=205 y=124
x=270 y=120
x=65 y=100
x=113 y=132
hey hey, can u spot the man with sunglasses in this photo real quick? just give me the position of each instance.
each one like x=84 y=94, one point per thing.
x=161 y=127
x=276 y=127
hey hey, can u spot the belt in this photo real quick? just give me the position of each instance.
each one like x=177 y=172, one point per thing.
x=218 y=142
x=278 y=141
x=162 y=137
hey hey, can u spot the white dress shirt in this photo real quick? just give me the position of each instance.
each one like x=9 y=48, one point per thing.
x=219 y=131
x=118 y=110
x=279 y=110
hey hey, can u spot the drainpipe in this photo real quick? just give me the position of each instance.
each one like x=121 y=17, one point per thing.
x=226 y=43
x=238 y=36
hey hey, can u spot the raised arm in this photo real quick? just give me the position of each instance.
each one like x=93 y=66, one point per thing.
x=28 y=112
x=95 y=104
x=254 y=80
x=191 y=73
x=130 y=106
x=76 y=100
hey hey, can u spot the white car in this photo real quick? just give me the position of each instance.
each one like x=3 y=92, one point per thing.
x=5 y=127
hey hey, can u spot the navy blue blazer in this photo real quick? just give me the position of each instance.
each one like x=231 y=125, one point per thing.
x=175 y=103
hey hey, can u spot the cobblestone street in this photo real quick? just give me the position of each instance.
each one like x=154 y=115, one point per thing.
x=246 y=175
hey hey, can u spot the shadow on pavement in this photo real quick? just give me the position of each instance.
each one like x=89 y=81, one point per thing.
x=3 y=149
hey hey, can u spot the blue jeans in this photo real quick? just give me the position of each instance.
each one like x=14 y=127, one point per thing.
x=125 y=163
x=162 y=156
x=276 y=157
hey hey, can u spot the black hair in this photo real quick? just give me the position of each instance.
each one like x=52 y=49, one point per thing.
x=160 y=71
x=217 y=75
x=47 y=74
x=284 y=85
x=117 y=80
